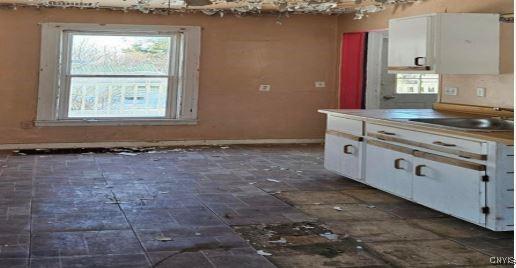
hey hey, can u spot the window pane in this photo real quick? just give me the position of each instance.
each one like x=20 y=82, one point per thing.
x=408 y=76
x=430 y=76
x=117 y=97
x=407 y=86
x=120 y=55
x=429 y=86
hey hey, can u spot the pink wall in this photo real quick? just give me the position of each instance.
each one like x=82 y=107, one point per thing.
x=238 y=54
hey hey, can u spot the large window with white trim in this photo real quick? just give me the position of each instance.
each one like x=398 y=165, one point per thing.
x=118 y=73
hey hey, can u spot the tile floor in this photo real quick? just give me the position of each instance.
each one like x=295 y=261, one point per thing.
x=215 y=207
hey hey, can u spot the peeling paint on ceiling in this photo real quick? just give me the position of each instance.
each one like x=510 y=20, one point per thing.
x=212 y=7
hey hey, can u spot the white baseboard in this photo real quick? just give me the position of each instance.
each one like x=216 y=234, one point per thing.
x=66 y=145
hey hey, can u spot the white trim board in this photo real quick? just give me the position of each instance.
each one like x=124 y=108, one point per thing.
x=373 y=92
x=67 y=145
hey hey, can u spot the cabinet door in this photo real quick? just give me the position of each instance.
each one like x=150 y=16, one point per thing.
x=333 y=155
x=344 y=156
x=389 y=170
x=353 y=159
x=451 y=189
x=409 y=39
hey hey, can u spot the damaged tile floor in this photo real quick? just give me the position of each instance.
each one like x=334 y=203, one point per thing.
x=229 y=206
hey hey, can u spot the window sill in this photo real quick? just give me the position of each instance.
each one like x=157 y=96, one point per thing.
x=108 y=122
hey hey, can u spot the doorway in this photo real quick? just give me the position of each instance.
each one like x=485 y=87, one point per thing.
x=394 y=91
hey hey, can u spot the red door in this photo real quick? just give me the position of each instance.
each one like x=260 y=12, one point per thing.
x=352 y=70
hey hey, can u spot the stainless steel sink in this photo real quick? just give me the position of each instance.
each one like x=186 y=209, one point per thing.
x=471 y=124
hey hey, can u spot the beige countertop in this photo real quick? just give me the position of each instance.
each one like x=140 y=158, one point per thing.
x=399 y=118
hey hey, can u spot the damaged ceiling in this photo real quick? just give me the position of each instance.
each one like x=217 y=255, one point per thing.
x=213 y=7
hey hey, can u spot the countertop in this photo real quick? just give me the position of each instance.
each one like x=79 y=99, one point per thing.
x=399 y=118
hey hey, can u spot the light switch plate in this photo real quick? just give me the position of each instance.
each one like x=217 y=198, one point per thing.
x=481 y=91
x=265 y=88
x=320 y=84
x=451 y=91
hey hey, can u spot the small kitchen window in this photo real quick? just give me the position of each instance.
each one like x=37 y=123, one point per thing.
x=118 y=74
x=417 y=83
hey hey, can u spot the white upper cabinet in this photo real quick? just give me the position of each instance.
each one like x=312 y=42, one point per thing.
x=445 y=43
x=409 y=42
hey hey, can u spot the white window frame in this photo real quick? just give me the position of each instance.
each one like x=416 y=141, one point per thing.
x=54 y=74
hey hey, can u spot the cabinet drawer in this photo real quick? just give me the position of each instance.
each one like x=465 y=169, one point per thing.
x=350 y=126
x=457 y=146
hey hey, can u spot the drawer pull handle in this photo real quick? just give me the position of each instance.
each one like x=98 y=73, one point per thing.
x=419 y=169
x=387 y=133
x=416 y=61
x=444 y=144
x=397 y=163
x=346 y=149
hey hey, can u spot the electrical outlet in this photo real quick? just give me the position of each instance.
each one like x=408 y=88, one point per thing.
x=451 y=91
x=320 y=84
x=265 y=88
x=481 y=91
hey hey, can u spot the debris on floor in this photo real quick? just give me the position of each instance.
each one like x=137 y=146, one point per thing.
x=279 y=241
x=279 y=235
x=176 y=150
x=263 y=253
x=127 y=154
x=128 y=151
x=292 y=245
x=163 y=238
x=330 y=236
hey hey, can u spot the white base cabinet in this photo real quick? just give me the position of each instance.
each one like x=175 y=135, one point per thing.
x=333 y=153
x=450 y=189
x=469 y=179
x=452 y=186
x=389 y=170
x=343 y=154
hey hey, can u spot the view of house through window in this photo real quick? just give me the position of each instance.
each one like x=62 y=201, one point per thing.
x=118 y=75
x=417 y=83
